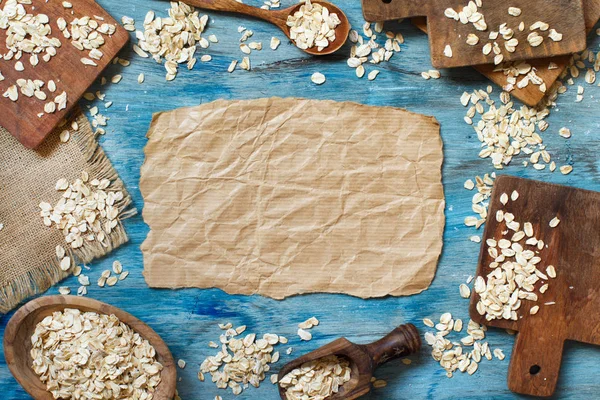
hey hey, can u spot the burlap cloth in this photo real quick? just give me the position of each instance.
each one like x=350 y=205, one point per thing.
x=28 y=263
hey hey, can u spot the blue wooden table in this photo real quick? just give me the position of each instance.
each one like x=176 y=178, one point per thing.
x=187 y=319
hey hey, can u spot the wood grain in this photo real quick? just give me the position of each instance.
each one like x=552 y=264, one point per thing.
x=531 y=95
x=20 y=118
x=279 y=17
x=187 y=319
x=571 y=248
x=566 y=16
x=17 y=342
x=364 y=359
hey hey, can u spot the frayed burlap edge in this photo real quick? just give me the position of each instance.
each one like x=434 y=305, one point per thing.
x=45 y=276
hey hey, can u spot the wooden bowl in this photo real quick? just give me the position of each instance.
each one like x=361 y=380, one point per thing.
x=17 y=342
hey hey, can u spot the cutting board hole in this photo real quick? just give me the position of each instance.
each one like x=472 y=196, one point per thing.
x=387 y=1
x=535 y=369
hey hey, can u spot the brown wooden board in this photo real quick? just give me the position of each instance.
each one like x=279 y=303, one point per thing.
x=531 y=95
x=20 y=118
x=572 y=248
x=566 y=16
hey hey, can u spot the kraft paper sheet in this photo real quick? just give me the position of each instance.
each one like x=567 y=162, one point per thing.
x=287 y=196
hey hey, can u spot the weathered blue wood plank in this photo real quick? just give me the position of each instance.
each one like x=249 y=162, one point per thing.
x=187 y=319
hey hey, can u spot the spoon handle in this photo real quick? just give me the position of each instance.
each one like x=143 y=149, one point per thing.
x=402 y=341
x=275 y=17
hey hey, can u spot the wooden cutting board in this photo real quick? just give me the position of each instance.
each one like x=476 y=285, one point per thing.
x=21 y=118
x=565 y=16
x=530 y=94
x=572 y=248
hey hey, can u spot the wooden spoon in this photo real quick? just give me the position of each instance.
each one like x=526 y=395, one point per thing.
x=364 y=359
x=279 y=18
x=17 y=342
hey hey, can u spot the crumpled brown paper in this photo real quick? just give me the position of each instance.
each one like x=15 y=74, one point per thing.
x=287 y=196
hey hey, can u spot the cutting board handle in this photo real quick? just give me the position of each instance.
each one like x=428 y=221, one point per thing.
x=535 y=362
x=386 y=10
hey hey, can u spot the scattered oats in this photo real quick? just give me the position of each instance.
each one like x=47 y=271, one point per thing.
x=565 y=132
x=65 y=263
x=469 y=185
x=554 y=222
x=514 y=11
x=373 y=74
x=379 y=383
x=472 y=39
x=557 y=37
x=504 y=198
x=566 y=169
x=181 y=364
x=448 y=51
x=318 y=379
x=551 y=271
x=64 y=290
x=232 y=66
x=428 y=322
x=465 y=292
x=273 y=379
x=275 y=42
x=514 y=195
x=245 y=64
x=116 y=78
x=304 y=335
x=205 y=58
x=425 y=75
x=318 y=78
x=475 y=239
x=121 y=364
x=87 y=61
x=533 y=310
x=309 y=323
x=499 y=354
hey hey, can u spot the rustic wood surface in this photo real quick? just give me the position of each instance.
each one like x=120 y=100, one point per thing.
x=17 y=341
x=537 y=354
x=187 y=319
x=531 y=94
x=566 y=16
x=403 y=341
x=20 y=117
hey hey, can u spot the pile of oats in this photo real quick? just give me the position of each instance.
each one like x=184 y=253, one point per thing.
x=94 y=356
x=367 y=46
x=86 y=212
x=312 y=26
x=454 y=355
x=173 y=39
x=479 y=201
x=316 y=380
x=303 y=328
x=515 y=274
x=28 y=37
x=505 y=131
x=241 y=361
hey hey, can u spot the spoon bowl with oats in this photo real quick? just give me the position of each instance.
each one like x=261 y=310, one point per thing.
x=342 y=369
x=64 y=320
x=318 y=28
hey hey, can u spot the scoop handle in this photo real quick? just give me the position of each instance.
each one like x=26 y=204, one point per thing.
x=277 y=17
x=402 y=341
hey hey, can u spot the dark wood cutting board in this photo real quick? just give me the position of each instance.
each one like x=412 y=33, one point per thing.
x=565 y=16
x=572 y=248
x=531 y=95
x=20 y=118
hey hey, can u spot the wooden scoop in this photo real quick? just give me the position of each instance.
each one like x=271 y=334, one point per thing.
x=17 y=342
x=279 y=18
x=364 y=359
